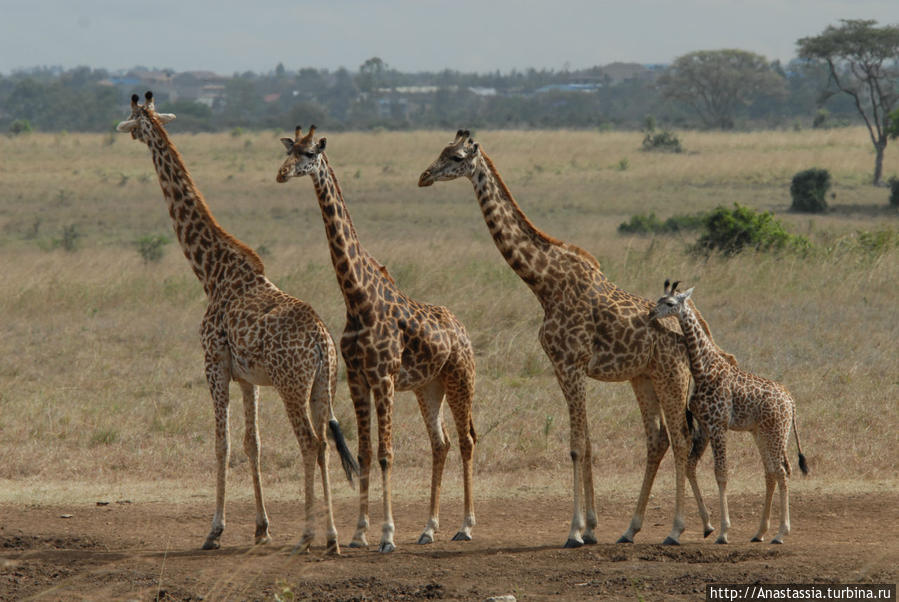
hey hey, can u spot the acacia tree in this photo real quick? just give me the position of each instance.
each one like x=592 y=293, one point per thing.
x=716 y=83
x=863 y=61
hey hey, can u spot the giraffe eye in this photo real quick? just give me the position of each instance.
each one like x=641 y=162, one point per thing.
x=309 y=154
x=456 y=158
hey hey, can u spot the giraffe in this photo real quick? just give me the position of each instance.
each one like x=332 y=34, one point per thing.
x=252 y=333
x=726 y=397
x=591 y=328
x=391 y=343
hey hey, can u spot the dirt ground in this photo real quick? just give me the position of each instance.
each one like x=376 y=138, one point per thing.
x=150 y=551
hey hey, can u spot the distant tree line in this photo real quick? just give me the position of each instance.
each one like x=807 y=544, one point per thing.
x=744 y=90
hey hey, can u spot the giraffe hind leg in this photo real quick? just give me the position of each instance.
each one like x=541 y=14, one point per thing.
x=252 y=449
x=460 y=395
x=430 y=402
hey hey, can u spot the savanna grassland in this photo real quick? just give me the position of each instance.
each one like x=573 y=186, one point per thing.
x=102 y=391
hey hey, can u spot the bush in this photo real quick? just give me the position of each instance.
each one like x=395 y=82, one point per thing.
x=730 y=231
x=894 y=191
x=809 y=190
x=664 y=141
x=20 y=126
x=650 y=224
x=151 y=247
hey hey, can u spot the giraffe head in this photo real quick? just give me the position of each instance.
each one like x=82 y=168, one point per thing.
x=143 y=118
x=457 y=159
x=304 y=154
x=671 y=303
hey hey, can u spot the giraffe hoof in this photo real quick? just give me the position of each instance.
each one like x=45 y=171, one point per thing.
x=262 y=540
x=670 y=541
x=590 y=539
x=777 y=541
x=425 y=538
x=461 y=536
x=386 y=547
x=708 y=531
x=573 y=543
x=211 y=544
x=333 y=548
x=358 y=544
x=624 y=539
x=721 y=540
x=756 y=540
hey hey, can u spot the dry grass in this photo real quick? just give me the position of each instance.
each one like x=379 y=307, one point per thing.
x=102 y=393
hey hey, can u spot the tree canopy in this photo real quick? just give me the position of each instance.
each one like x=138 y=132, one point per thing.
x=863 y=61
x=717 y=83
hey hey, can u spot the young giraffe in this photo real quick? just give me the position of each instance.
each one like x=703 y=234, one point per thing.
x=391 y=343
x=726 y=397
x=252 y=333
x=590 y=328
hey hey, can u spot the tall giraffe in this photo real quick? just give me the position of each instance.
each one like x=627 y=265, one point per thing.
x=252 y=333
x=591 y=328
x=391 y=343
x=727 y=398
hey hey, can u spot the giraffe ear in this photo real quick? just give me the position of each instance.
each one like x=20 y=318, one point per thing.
x=688 y=293
x=288 y=144
x=126 y=126
x=322 y=143
x=165 y=117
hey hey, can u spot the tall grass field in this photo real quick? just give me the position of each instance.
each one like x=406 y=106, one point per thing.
x=102 y=389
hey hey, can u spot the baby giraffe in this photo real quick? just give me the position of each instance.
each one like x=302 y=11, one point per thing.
x=726 y=397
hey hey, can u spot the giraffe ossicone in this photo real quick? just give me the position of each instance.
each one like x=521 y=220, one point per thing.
x=252 y=333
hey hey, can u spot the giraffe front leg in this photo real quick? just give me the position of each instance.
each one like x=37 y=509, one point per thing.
x=218 y=379
x=361 y=396
x=770 y=484
x=784 y=530
x=252 y=449
x=719 y=449
x=383 y=394
x=700 y=441
x=572 y=384
x=656 y=446
x=589 y=535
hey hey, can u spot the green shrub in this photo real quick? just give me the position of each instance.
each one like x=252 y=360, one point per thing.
x=665 y=141
x=20 y=126
x=70 y=238
x=730 y=231
x=809 y=190
x=650 y=224
x=151 y=246
x=894 y=191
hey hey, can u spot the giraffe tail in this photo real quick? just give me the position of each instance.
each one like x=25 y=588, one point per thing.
x=803 y=465
x=350 y=465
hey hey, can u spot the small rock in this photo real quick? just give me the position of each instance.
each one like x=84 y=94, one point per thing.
x=65 y=516
x=506 y=598
x=102 y=503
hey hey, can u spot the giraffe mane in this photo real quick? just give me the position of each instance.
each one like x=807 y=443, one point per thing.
x=380 y=266
x=537 y=231
x=251 y=256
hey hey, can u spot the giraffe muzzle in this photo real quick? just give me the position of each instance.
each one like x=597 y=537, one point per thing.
x=425 y=180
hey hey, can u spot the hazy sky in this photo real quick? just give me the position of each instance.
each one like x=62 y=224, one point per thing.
x=410 y=35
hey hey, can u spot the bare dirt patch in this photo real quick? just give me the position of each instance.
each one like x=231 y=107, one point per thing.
x=150 y=551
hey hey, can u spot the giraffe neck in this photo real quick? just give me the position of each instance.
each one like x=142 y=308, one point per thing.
x=702 y=350
x=354 y=267
x=531 y=253
x=216 y=257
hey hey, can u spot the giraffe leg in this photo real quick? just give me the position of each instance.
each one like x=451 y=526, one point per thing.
x=296 y=396
x=700 y=442
x=572 y=383
x=719 y=449
x=770 y=484
x=671 y=389
x=218 y=377
x=320 y=408
x=383 y=394
x=251 y=448
x=589 y=535
x=656 y=446
x=778 y=459
x=361 y=395
x=460 y=394
x=430 y=402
